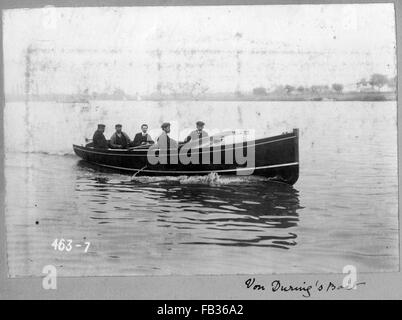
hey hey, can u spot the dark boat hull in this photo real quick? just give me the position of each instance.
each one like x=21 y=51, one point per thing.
x=275 y=157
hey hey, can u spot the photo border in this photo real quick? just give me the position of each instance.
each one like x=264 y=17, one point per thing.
x=379 y=285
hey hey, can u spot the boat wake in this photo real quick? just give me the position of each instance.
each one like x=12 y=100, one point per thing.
x=211 y=179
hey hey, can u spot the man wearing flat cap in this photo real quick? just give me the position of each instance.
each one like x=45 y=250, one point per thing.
x=197 y=134
x=98 y=140
x=164 y=141
x=119 y=139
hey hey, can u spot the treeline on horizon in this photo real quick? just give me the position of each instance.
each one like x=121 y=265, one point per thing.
x=378 y=87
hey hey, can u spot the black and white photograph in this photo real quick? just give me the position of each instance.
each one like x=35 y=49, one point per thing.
x=200 y=140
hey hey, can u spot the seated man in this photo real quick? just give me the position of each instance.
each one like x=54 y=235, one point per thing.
x=142 y=137
x=164 y=141
x=119 y=139
x=197 y=134
x=98 y=140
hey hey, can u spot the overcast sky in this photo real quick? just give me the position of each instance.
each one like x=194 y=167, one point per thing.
x=197 y=49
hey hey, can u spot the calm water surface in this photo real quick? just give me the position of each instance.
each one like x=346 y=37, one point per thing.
x=343 y=210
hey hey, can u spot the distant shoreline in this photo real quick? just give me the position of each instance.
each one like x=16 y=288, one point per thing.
x=330 y=96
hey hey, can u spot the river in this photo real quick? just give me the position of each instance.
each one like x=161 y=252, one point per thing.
x=343 y=210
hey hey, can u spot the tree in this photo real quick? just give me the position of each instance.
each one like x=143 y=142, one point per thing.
x=378 y=80
x=337 y=87
x=363 y=82
x=289 y=88
x=279 y=89
x=392 y=82
x=118 y=94
x=260 y=91
x=300 y=89
x=319 y=88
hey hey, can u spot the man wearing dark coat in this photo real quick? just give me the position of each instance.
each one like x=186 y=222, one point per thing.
x=142 y=137
x=99 y=141
x=119 y=139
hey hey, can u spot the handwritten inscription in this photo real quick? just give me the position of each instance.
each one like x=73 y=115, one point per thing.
x=305 y=289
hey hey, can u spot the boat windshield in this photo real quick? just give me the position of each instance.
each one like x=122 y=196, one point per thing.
x=227 y=137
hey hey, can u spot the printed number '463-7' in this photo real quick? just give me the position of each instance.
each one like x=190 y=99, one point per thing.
x=66 y=245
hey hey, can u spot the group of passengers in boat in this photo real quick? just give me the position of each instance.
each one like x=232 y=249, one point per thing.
x=121 y=140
